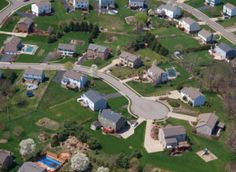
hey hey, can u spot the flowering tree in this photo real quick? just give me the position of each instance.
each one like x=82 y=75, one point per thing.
x=103 y=169
x=27 y=147
x=79 y=162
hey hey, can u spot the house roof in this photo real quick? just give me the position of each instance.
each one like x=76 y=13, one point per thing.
x=137 y=0
x=73 y=74
x=172 y=131
x=98 y=48
x=230 y=6
x=169 y=7
x=26 y=20
x=31 y=167
x=4 y=154
x=171 y=141
x=207 y=119
x=43 y=3
x=11 y=44
x=110 y=115
x=94 y=96
x=70 y=47
x=188 y=20
x=155 y=70
x=224 y=47
x=31 y=71
x=204 y=33
x=192 y=92
x=128 y=56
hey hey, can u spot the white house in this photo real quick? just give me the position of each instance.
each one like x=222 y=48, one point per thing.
x=41 y=7
x=212 y=2
x=94 y=100
x=193 y=96
x=224 y=51
x=81 y=4
x=206 y=36
x=229 y=10
x=66 y=49
x=74 y=80
x=189 y=25
x=136 y=3
x=169 y=10
x=106 y=4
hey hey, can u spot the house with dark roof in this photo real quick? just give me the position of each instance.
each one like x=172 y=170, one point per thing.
x=66 y=49
x=31 y=167
x=81 y=4
x=170 y=136
x=157 y=75
x=12 y=45
x=212 y=2
x=225 y=51
x=229 y=10
x=111 y=121
x=94 y=100
x=31 y=74
x=189 y=25
x=104 y=4
x=6 y=159
x=169 y=10
x=25 y=25
x=193 y=96
x=136 y=3
x=41 y=7
x=207 y=123
x=74 y=80
x=95 y=51
x=206 y=36
x=130 y=60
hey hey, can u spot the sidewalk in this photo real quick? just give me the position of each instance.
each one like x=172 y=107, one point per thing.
x=113 y=63
x=182 y=117
x=23 y=35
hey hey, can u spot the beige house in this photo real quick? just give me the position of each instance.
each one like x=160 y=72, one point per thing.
x=97 y=52
x=130 y=60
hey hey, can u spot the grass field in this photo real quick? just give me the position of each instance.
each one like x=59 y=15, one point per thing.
x=3 y=4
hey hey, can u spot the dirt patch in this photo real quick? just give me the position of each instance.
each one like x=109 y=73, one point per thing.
x=77 y=42
x=48 y=123
x=41 y=52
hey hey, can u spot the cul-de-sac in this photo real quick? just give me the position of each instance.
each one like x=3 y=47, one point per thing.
x=118 y=85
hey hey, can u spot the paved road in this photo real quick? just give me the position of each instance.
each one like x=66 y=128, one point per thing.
x=141 y=107
x=14 y=5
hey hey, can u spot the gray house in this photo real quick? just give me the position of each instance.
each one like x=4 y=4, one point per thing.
x=169 y=10
x=94 y=100
x=229 y=10
x=193 y=96
x=66 y=49
x=212 y=2
x=206 y=36
x=6 y=159
x=12 y=45
x=207 y=122
x=31 y=167
x=189 y=25
x=130 y=60
x=110 y=120
x=225 y=51
x=157 y=75
x=170 y=136
x=34 y=75
x=136 y=3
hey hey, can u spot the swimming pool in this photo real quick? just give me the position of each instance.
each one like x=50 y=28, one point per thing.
x=29 y=49
x=50 y=162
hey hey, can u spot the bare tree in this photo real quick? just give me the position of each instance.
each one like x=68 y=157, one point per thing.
x=27 y=147
x=80 y=162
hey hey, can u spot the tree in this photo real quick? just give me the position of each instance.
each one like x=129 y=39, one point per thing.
x=80 y=162
x=103 y=169
x=123 y=161
x=140 y=19
x=27 y=147
x=68 y=65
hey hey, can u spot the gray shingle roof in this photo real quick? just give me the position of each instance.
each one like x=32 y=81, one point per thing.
x=26 y=20
x=110 y=115
x=69 y=47
x=128 y=56
x=137 y=0
x=4 y=154
x=230 y=6
x=155 y=70
x=225 y=47
x=204 y=33
x=11 y=44
x=169 y=7
x=192 y=92
x=208 y=119
x=31 y=167
x=98 y=48
x=73 y=74
x=43 y=3
x=188 y=20
x=172 y=131
x=94 y=96
x=31 y=71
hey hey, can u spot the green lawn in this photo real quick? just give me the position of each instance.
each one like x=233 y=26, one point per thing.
x=3 y=4
x=228 y=22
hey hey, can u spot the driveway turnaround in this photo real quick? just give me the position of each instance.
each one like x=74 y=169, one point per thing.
x=139 y=106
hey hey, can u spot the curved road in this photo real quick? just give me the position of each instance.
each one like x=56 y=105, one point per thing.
x=140 y=106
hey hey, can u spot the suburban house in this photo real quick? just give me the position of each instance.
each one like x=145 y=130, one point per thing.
x=6 y=159
x=136 y=4
x=66 y=49
x=31 y=167
x=193 y=96
x=103 y=4
x=97 y=52
x=207 y=123
x=157 y=75
x=169 y=10
x=170 y=136
x=111 y=121
x=212 y=2
x=81 y=4
x=42 y=7
x=189 y=25
x=224 y=51
x=94 y=100
x=130 y=60
x=12 y=45
x=25 y=25
x=74 y=80
x=206 y=36
x=34 y=75
x=229 y=10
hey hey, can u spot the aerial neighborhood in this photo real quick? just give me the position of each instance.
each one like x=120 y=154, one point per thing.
x=117 y=86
